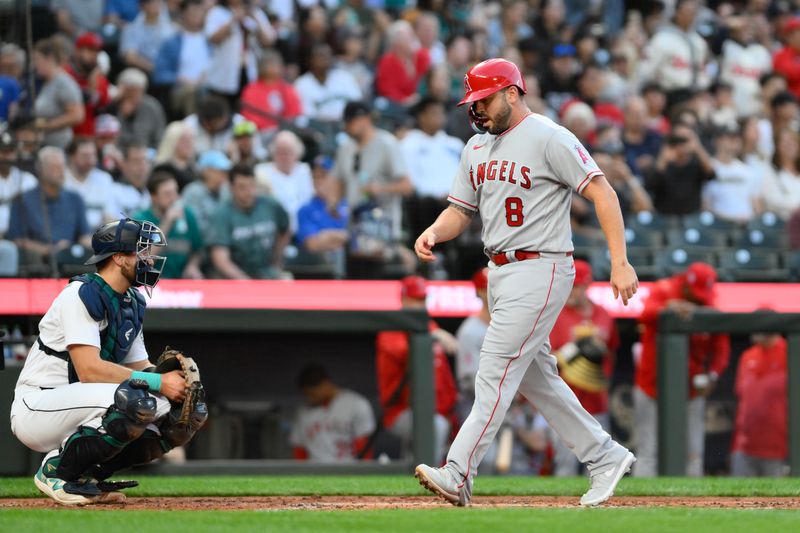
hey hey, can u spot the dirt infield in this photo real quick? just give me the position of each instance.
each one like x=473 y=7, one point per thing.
x=333 y=503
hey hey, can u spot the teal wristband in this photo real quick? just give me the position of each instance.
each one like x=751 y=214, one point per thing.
x=153 y=380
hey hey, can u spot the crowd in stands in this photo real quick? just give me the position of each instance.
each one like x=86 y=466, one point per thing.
x=274 y=138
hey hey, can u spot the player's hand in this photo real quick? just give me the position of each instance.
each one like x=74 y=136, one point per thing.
x=447 y=340
x=624 y=282
x=424 y=246
x=173 y=385
x=684 y=309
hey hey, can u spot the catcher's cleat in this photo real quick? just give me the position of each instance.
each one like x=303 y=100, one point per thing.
x=603 y=484
x=63 y=492
x=442 y=483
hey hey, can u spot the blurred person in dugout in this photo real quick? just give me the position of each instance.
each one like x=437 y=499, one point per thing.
x=585 y=341
x=760 y=440
x=470 y=336
x=708 y=357
x=334 y=425
x=392 y=363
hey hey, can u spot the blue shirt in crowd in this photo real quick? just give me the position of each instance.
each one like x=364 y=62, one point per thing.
x=315 y=217
x=124 y=9
x=9 y=93
x=650 y=145
x=66 y=217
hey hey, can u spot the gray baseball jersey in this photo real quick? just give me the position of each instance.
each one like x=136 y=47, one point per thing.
x=521 y=183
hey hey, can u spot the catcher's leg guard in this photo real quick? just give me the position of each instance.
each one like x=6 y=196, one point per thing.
x=151 y=446
x=147 y=448
x=124 y=422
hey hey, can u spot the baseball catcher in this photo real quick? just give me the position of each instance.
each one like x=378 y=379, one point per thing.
x=88 y=395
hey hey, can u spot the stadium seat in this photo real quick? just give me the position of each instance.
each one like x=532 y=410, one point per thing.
x=643 y=237
x=642 y=261
x=768 y=221
x=764 y=239
x=676 y=260
x=699 y=238
x=791 y=261
x=707 y=219
x=652 y=220
x=751 y=265
x=585 y=246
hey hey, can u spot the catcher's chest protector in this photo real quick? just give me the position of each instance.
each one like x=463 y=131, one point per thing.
x=124 y=313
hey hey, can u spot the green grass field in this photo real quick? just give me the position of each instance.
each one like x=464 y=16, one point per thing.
x=444 y=519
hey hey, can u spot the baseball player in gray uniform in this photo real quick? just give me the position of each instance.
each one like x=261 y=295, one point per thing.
x=520 y=174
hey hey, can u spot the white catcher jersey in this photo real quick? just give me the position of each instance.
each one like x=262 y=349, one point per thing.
x=67 y=323
x=521 y=182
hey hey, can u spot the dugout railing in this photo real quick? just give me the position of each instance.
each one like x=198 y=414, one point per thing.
x=673 y=380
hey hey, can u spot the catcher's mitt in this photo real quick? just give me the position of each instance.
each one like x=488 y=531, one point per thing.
x=171 y=360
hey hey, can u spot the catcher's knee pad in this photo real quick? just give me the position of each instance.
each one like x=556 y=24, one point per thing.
x=124 y=422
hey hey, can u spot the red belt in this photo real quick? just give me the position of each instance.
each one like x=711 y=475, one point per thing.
x=519 y=255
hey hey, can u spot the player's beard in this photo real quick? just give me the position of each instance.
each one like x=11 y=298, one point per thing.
x=129 y=272
x=502 y=120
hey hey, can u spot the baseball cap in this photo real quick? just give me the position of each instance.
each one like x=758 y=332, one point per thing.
x=700 y=279
x=89 y=39
x=213 y=159
x=791 y=25
x=106 y=125
x=583 y=273
x=481 y=279
x=415 y=287
x=323 y=161
x=244 y=128
x=564 y=50
x=354 y=110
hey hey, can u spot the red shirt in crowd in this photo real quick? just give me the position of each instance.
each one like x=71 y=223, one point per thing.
x=394 y=81
x=563 y=333
x=707 y=353
x=275 y=98
x=91 y=102
x=392 y=366
x=786 y=62
x=761 y=415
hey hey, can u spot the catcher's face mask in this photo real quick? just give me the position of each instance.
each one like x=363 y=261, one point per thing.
x=148 y=265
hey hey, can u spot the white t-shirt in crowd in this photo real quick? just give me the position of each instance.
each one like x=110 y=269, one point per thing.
x=730 y=195
x=742 y=67
x=129 y=199
x=328 y=432
x=432 y=161
x=781 y=192
x=67 y=323
x=293 y=190
x=17 y=182
x=226 y=57
x=97 y=193
x=326 y=101
x=195 y=57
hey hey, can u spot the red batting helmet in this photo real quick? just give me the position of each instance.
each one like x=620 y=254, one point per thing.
x=481 y=279
x=415 y=287
x=490 y=76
